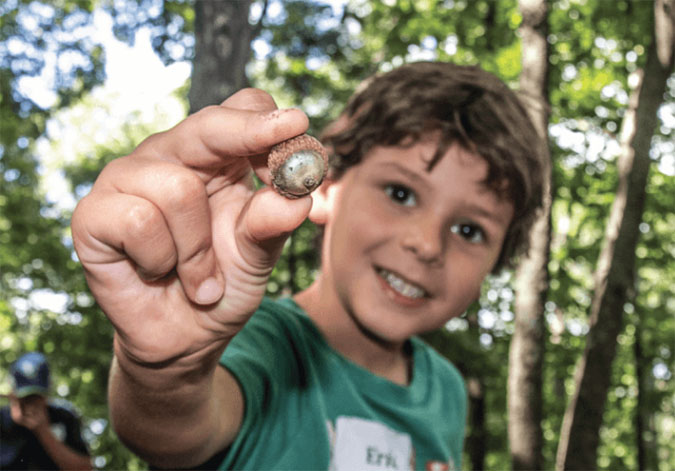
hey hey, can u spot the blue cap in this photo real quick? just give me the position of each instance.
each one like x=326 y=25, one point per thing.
x=30 y=375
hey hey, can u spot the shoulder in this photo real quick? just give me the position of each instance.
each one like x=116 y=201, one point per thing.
x=60 y=409
x=284 y=309
x=269 y=357
x=277 y=333
x=5 y=417
x=277 y=318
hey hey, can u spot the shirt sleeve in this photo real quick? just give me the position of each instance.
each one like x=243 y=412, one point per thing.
x=462 y=399
x=264 y=357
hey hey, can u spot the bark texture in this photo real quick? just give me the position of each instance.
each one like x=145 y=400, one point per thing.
x=614 y=277
x=527 y=344
x=223 y=37
x=476 y=445
x=641 y=411
x=476 y=441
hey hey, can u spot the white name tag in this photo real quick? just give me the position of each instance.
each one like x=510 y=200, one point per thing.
x=369 y=446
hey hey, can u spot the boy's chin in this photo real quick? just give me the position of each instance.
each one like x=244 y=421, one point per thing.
x=390 y=339
x=385 y=338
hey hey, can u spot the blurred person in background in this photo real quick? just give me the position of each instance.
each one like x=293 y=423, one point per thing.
x=37 y=432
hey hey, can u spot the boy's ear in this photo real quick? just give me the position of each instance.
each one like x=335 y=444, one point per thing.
x=322 y=202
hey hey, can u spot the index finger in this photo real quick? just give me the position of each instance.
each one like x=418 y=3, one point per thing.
x=215 y=134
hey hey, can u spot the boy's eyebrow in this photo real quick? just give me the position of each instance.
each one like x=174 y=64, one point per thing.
x=493 y=215
x=409 y=173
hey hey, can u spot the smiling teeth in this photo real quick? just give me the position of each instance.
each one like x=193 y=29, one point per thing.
x=400 y=286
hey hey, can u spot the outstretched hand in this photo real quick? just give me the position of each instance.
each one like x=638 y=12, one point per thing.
x=176 y=243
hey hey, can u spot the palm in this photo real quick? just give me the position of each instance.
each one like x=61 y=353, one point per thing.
x=140 y=273
x=156 y=319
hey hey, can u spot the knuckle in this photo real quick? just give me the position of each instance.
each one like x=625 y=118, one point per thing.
x=142 y=220
x=81 y=217
x=113 y=167
x=207 y=111
x=150 y=142
x=184 y=188
x=203 y=116
x=78 y=216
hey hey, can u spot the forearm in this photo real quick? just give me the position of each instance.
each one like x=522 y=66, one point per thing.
x=177 y=415
x=65 y=457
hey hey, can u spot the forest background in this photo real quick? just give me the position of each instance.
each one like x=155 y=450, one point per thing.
x=571 y=370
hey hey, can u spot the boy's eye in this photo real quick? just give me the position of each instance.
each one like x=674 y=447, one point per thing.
x=471 y=232
x=401 y=194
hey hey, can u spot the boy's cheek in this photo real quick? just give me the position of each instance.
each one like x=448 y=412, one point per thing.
x=324 y=202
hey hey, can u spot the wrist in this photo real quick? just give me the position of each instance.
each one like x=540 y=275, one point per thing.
x=42 y=430
x=167 y=377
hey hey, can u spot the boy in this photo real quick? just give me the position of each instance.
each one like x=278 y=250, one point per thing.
x=435 y=184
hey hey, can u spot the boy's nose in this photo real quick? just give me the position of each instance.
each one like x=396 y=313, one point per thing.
x=424 y=238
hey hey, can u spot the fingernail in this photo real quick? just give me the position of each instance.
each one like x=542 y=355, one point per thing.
x=209 y=291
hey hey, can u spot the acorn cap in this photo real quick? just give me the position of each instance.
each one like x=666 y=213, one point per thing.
x=297 y=165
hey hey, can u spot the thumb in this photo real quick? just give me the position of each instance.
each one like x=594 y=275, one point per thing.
x=264 y=225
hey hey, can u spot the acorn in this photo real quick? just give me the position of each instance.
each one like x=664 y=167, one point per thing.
x=298 y=166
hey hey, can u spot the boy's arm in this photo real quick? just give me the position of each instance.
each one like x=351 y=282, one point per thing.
x=177 y=246
x=204 y=418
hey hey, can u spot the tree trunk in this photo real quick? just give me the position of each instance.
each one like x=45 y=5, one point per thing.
x=647 y=443
x=223 y=37
x=476 y=445
x=527 y=344
x=641 y=409
x=476 y=442
x=614 y=277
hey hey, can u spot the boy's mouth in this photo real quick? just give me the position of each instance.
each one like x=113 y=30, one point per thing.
x=400 y=285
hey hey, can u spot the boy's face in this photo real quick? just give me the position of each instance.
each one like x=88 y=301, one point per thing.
x=407 y=248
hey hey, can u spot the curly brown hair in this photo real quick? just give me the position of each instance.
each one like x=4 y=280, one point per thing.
x=467 y=105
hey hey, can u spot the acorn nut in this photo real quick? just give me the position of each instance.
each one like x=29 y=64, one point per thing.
x=297 y=165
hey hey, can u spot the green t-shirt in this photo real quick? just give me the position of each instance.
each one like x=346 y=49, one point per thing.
x=308 y=407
